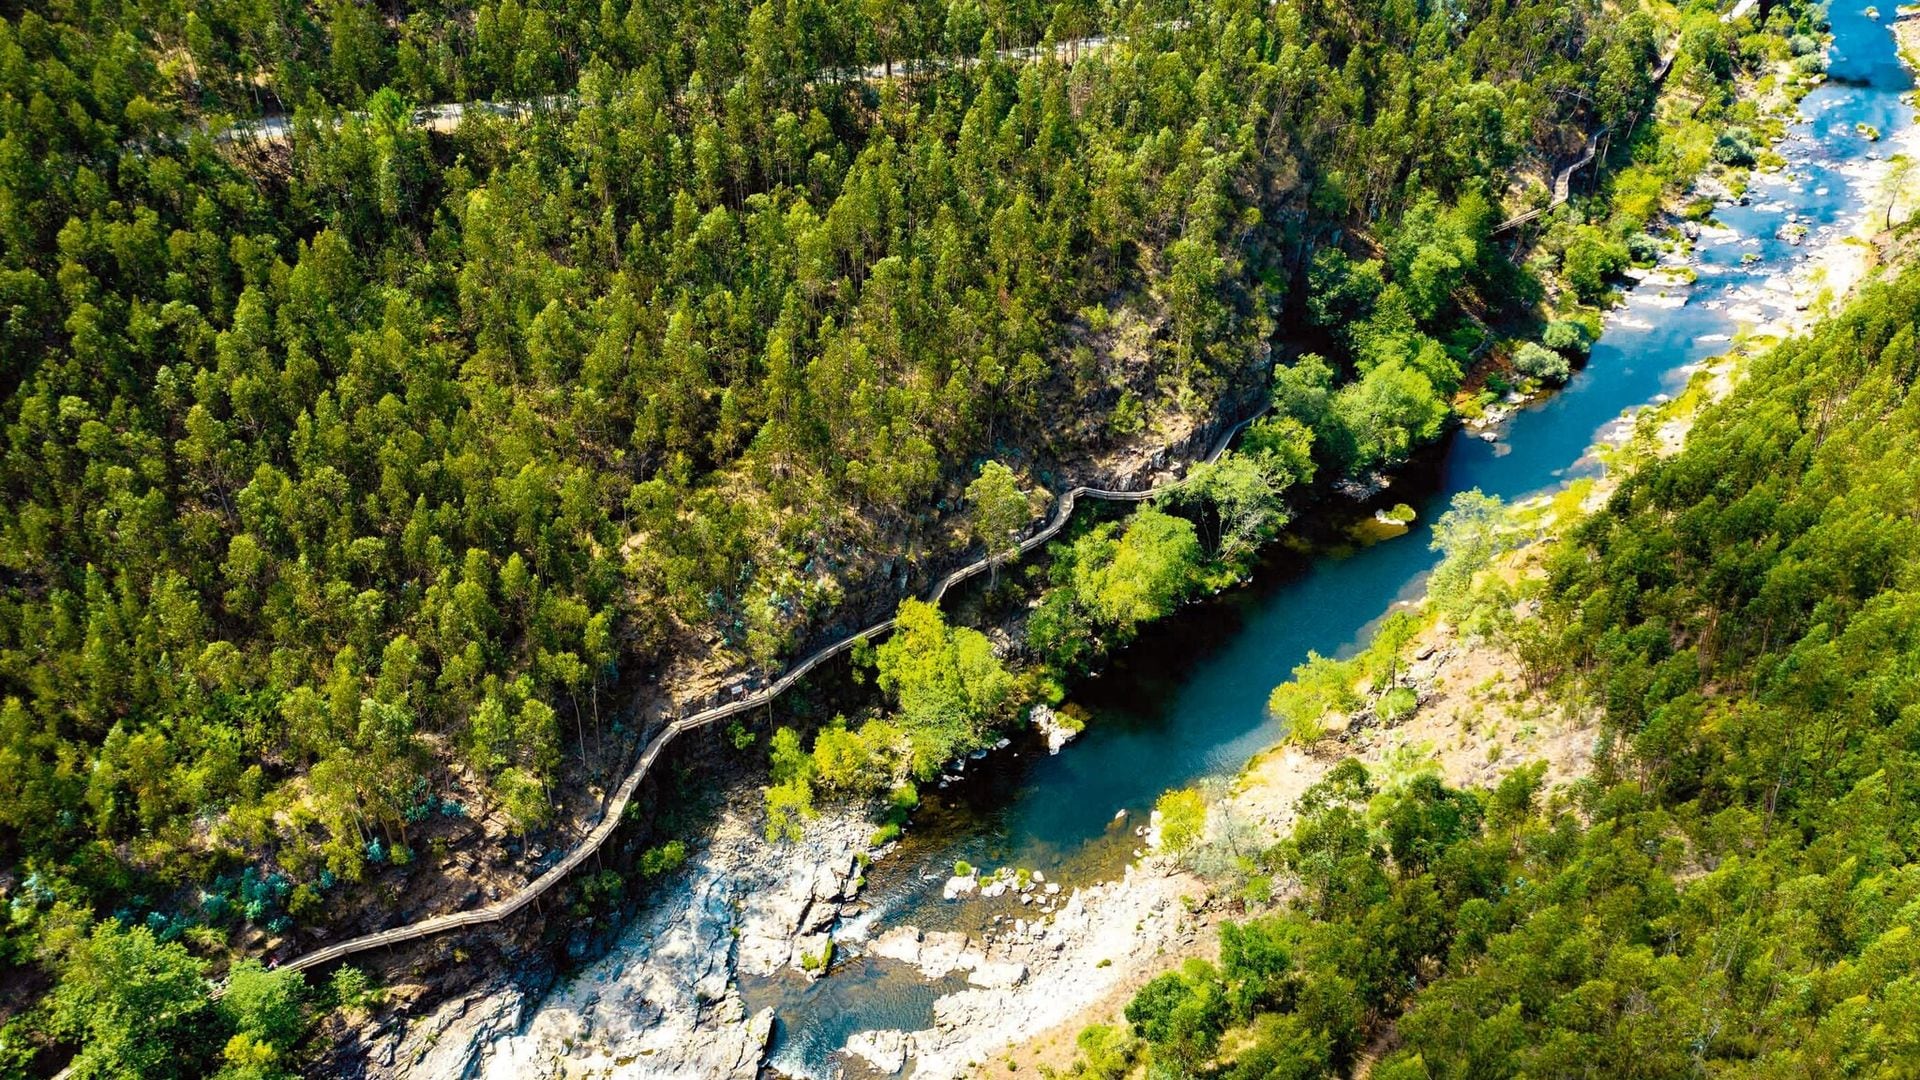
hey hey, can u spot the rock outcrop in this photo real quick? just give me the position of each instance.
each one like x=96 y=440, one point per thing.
x=885 y=1051
x=1026 y=977
x=448 y=1041
x=1056 y=729
x=663 y=1002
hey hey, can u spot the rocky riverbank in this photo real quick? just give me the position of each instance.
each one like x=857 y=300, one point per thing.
x=1026 y=976
x=665 y=1001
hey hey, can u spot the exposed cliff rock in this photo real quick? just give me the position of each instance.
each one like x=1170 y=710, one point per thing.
x=663 y=1002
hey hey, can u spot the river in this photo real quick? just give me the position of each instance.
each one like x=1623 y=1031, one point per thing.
x=1188 y=699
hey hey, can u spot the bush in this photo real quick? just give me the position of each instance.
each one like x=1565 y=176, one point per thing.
x=1105 y=1054
x=1319 y=686
x=1590 y=258
x=1397 y=703
x=962 y=868
x=1183 y=818
x=664 y=859
x=1567 y=337
x=1734 y=147
x=349 y=987
x=903 y=800
x=816 y=963
x=1536 y=361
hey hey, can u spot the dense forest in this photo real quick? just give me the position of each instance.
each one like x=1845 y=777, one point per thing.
x=1734 y=891
x=349 y=475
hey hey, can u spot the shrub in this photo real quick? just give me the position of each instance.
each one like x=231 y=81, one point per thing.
x=1734 y=147
x=664 y=859
x=1567 y=337
x=1536 y=361
x=1590 y=258
x=1318 y=687
x=349 y=988
x=1183 y=818
x=817 y=962
x=1397 y=703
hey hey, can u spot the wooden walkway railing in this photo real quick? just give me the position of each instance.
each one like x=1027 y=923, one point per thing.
x=1563 y=180
x=1562 y=185
x=616 y=807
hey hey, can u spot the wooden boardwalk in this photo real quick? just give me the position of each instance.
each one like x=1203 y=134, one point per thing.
x=1562 y=186
x=610 y=818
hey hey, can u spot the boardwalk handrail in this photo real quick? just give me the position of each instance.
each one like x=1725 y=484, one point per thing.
x=616 y=807
x=1563 y=180
x=1562 y=185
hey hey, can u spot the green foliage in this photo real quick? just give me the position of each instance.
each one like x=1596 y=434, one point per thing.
x=1113 y=578
x=1104 y=1053
x=1734 y=146
x=739 y=737
x=1239 y=496
x=863 y=762
x=1183 y=818
x=1567 y=337
x=373 y=460
x=789 y=808
x=817 y=962
x=1386 y=414
x=1537 y=362
x=135 y=1006
x=790 y=796
x=663 y=859
x=951 y=690
x=1434 y=253
x=524 y=799
x=843 y=762
x=999 y=509
x=265 y=1011
x=1319 y=686
x=1182 y=1015
x=1471 y=535
x=1589 y=258
x=1141 y=576
x=1396 y=704
x=349 y=987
